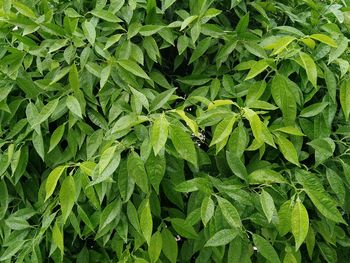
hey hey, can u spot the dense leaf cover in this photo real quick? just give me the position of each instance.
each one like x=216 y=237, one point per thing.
x=174 y=131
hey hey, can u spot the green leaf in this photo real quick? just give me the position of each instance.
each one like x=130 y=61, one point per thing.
x=313 y=109
x=300 y=223
x=310 y=67
x=221 y=238
x=133 y=68
x=74 y=106
x=190 y=122
x=149 y=30
x=159 y=133
x=183 y=228
x=89 y=31
x=265 y=249
x=319 y=197
x=324 y=39
x=324 y=148
x=67 y=196
x=169 y=247
x=110 y=213
x=201 y=48
x=283 y=97
x=137 y=171
x=38 y=144
x=266 y=176
x=106 y=15
x=267 y=205
x=344 y=97
x=207 y=209
x=229 y=212
x=336 y=184
x=183 y=144
x=161 y=99
x=52 y=180
x=155 y=167
x=257 y=68
x=284 y=224
x=236 y=165
x=287 y=149
x=223 y=130
x=338 y=51
x=57 y=237
x=56 y=136
x=146 y=222
x=310 y=242
x=155 y=246
x=242 y=25
x=85 y=218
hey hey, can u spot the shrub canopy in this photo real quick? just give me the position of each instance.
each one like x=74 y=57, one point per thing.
x=174 y=131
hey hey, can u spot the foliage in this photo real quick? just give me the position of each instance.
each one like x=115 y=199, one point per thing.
x=174 y=131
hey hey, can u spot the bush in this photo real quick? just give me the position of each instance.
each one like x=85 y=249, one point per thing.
x=174 y=131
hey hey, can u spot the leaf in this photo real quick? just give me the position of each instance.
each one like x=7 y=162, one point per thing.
x=183 y=144
x=155 y=167
x=187 y=21
x=324 y=148
x=266 y=176
x=201 y=48
x=257 y=68
x=146 y=222
x=169 y=247
x=338 y=51
x=236 y=165
x=52 y=180
x=12 y=250
x=106 y=15
x=133 y=68
x=106 y=158
x=267 y=205
x=161 y=99
x=221 y=238
x=265 y=249
x=344 y=97
x=300 y=223
x=229 y=212
x=159 y=133
x=336 y=184
x=136 y=170
x=149 y=30
x=324 y=39
x=56 y=137
x=310 y=241
x=287 y=149
x=310 y=67
x=74 y=106
x=67 y=196
x=47 y=110
x=190 y=122
x=89 y=31
x=223 y=130
x=313 y=109
x=207 y=209
x=38 y=144
x=155 y=246
x=284 y=224
x=283 y=97
x=85 y=218
x=57 y=237
x=243 y=23
x=110 y=213
x=319 y=197
x=183 y=228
